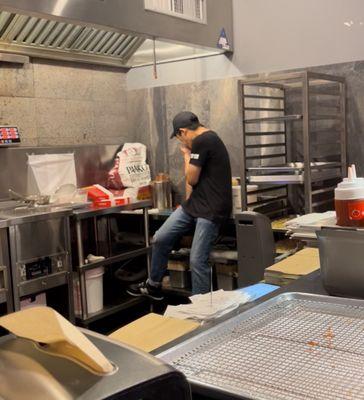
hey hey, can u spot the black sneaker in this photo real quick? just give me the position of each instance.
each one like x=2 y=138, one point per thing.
x=144 y=289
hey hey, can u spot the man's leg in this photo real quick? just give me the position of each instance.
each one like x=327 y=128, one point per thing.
x=164 y=239
x=178 y=224
x=205 y=234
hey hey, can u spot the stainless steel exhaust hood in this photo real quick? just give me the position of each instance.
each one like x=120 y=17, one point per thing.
x=40 y=37
x=106 y=32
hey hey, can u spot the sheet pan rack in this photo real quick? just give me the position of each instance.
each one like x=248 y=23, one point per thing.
x=294 y=139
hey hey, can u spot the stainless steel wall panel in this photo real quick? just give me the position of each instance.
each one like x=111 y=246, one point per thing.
x=92 y=165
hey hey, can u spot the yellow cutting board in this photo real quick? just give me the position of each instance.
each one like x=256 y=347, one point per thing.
x=57 y=336
x=153 y=331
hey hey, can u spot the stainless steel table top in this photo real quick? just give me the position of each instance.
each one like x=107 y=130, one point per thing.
x=13 y=213
x=23 y=214
x=91 y=211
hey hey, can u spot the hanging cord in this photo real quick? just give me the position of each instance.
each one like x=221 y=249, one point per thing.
x=155 y=74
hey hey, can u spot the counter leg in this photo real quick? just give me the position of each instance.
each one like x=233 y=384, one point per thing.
x=81 y=273
x=147 y=245
x=108 y=228
x=96 y=234
x=147 y=238
x=16 y=279
x=71 y=303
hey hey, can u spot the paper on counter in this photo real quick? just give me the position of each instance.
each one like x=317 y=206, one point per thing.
x=313 y=219
x=44 y=325
x=203 y=309
x=153 y=331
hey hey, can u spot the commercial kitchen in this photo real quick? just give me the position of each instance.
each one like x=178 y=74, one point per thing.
x=181 y=199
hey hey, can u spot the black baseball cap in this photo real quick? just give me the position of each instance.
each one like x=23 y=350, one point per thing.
x=184 y=119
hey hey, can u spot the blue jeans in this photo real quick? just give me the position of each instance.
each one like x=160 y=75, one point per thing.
x=178 y=224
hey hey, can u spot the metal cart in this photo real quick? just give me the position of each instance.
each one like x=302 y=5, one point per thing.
x=294 y=137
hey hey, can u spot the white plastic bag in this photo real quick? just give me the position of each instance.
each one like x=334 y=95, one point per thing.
x=133 y=169
x=51 y=171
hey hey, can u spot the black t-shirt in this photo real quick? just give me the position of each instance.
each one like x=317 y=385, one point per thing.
x=211 y=197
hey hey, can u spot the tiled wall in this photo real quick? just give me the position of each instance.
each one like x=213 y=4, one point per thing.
x=55 y=103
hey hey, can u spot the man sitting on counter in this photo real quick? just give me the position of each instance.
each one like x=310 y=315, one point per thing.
x=208 y=204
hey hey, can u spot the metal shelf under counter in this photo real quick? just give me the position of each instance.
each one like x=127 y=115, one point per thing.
x=79 y=218
x=110 y=310
x=115 y=259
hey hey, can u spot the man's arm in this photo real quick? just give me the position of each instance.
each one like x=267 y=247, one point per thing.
x=192 y=172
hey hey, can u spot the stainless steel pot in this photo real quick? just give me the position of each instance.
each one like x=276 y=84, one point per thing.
x=162 y=194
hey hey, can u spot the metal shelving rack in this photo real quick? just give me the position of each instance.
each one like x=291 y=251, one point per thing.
x=294 y=139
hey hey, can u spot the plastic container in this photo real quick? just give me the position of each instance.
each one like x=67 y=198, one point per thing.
x=94 y=291
x=349 y=200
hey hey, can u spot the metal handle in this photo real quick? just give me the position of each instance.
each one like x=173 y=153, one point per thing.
x=246 y=223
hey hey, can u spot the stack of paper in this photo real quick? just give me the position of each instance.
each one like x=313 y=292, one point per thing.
x=307 y=225
x=209 y=306
x=302 y=263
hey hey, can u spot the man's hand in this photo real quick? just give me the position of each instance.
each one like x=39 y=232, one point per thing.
x=185 y=150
